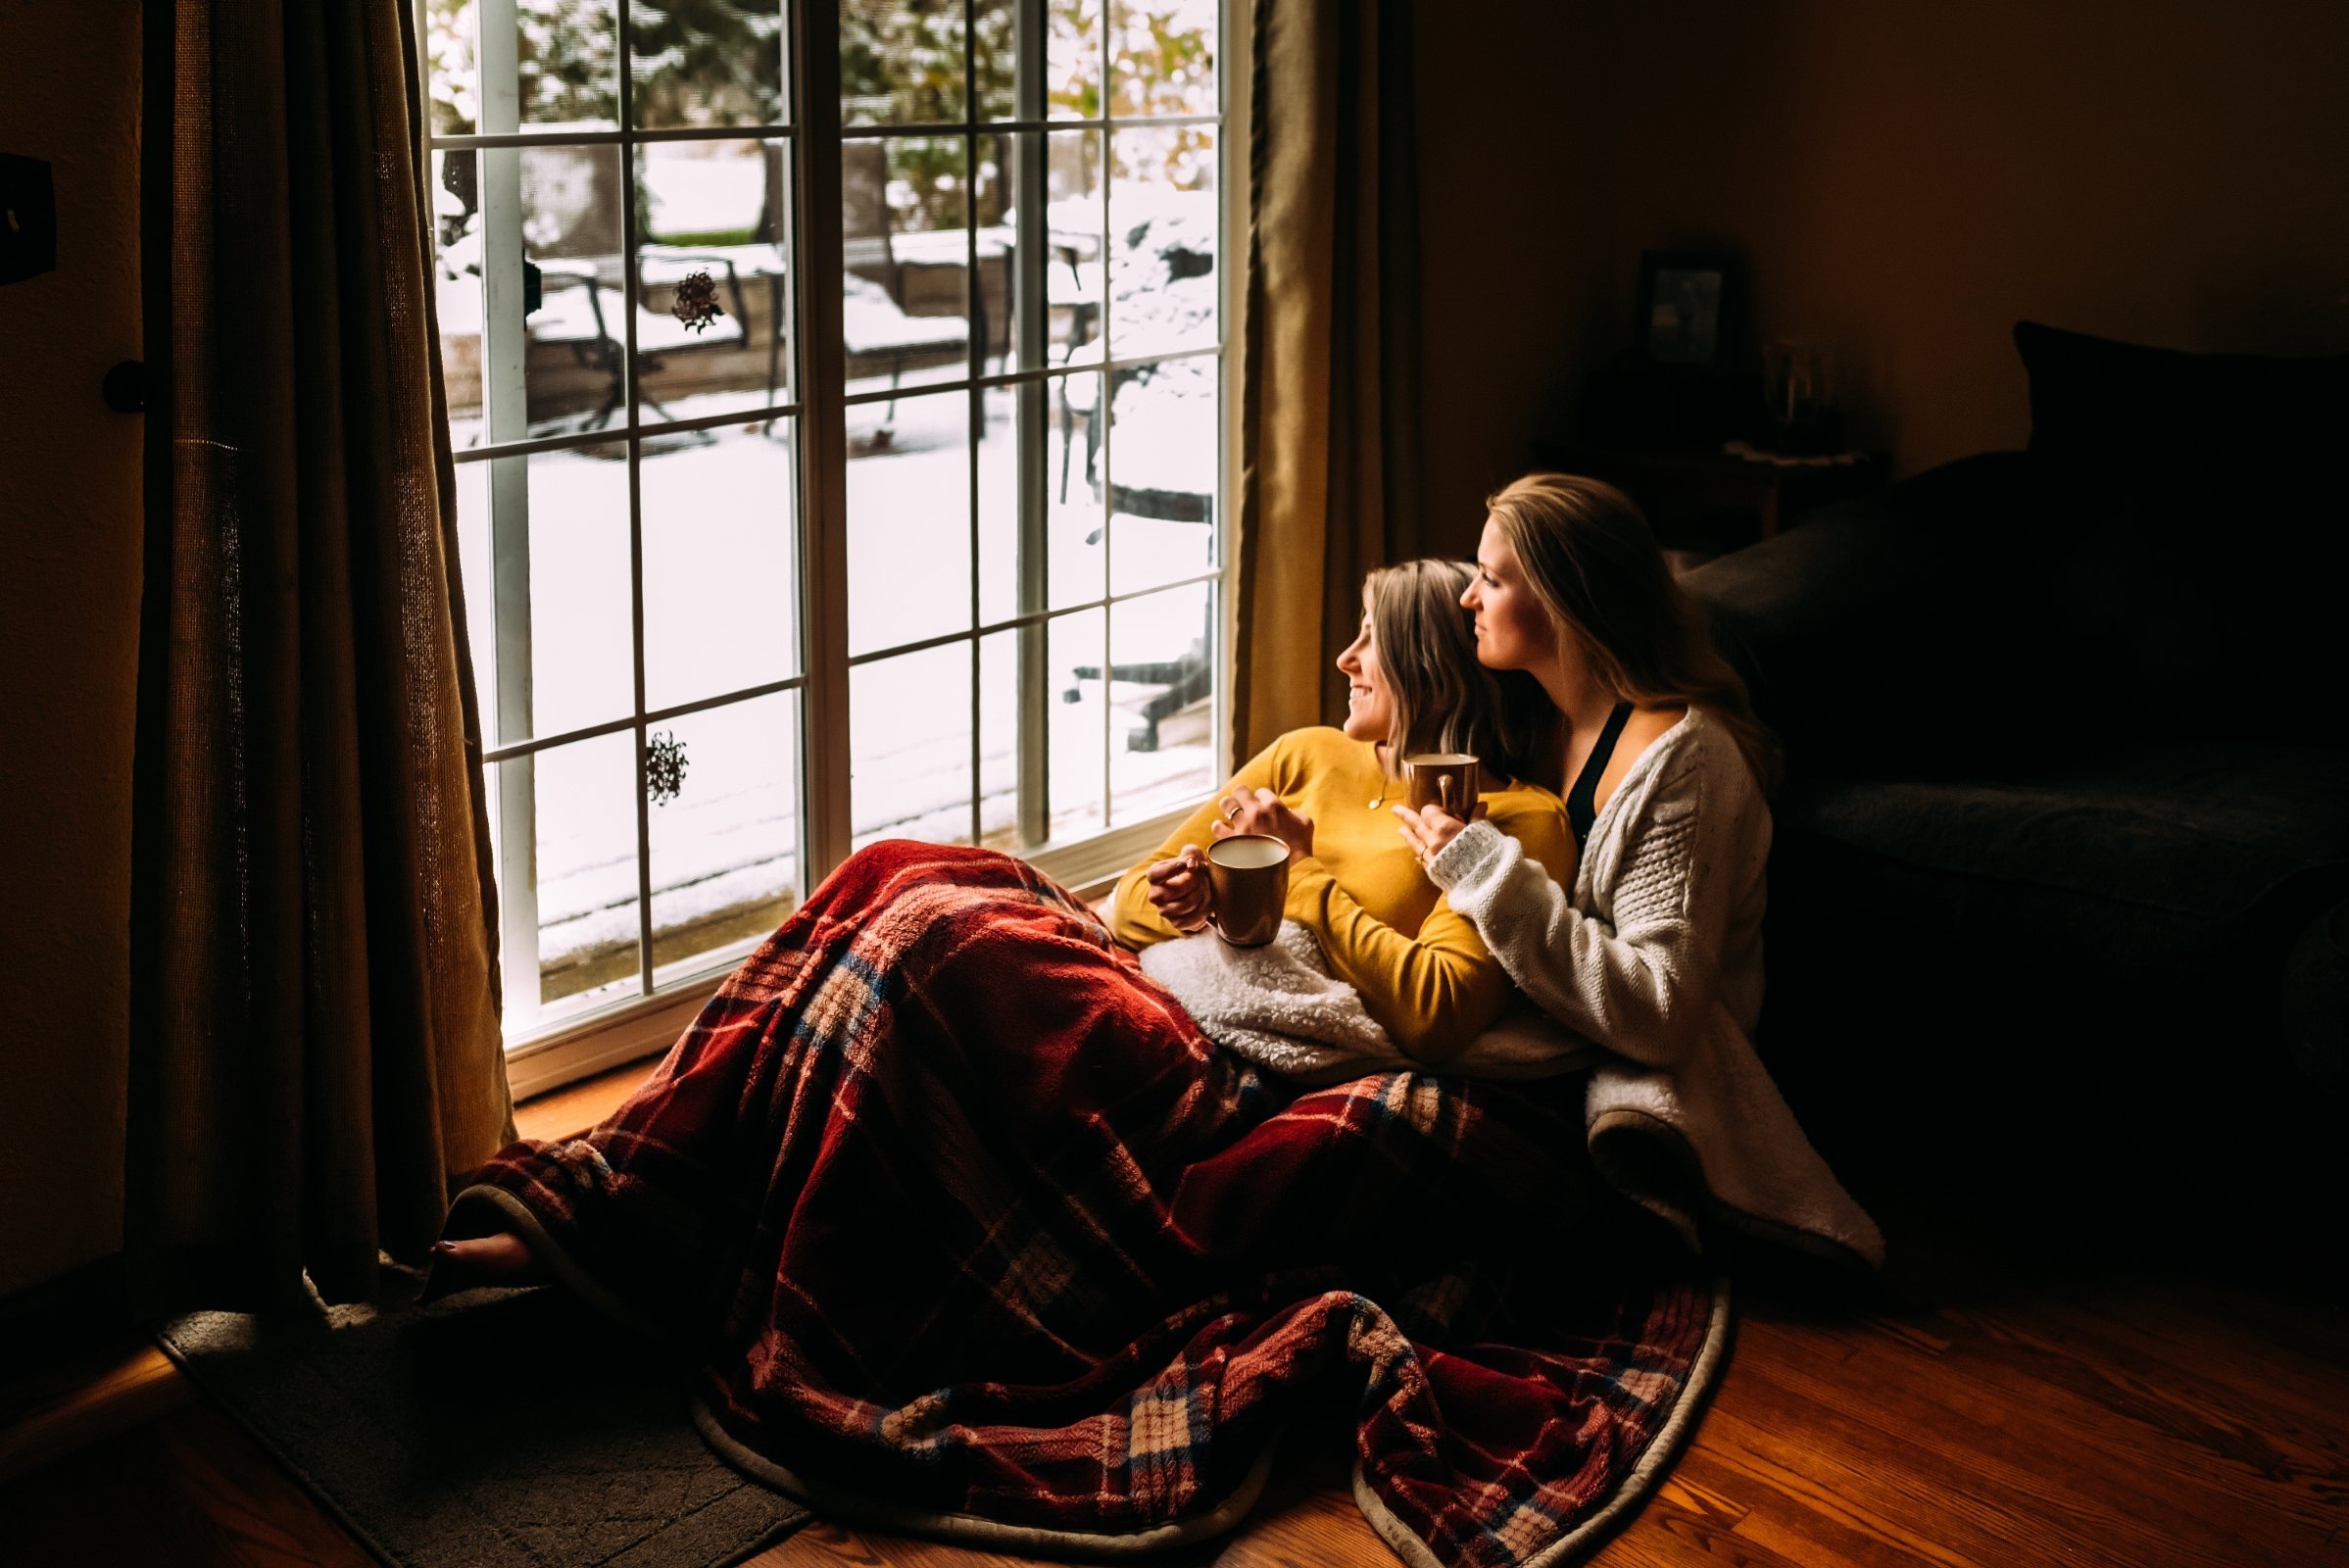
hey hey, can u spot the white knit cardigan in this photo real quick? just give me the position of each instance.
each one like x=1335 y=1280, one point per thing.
x=1657 y=957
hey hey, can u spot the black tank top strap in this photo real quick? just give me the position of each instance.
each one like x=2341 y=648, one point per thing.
x=1581 y=802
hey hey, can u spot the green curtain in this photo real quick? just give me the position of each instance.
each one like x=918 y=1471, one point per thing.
x=316 y=1045
x=1329 y=420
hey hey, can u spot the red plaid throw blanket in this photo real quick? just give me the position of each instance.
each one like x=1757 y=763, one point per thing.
x=969 y=1228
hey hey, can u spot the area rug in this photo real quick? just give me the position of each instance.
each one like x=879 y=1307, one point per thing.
x=496 y=1429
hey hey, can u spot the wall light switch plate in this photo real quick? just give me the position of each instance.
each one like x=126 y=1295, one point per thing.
x=27 y=219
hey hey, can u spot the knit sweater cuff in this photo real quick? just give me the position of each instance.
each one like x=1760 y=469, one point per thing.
x=1472 y=864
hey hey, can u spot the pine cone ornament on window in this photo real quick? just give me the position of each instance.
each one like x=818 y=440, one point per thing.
x=664 y=767
x=697 y=304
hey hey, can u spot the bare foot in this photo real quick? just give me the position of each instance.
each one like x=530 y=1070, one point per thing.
x=499 y=1260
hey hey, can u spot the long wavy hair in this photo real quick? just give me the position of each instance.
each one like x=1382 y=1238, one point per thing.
x=1593 y=563
x=1445 y=701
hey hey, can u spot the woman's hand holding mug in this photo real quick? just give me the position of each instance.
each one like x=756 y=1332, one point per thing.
x=1179 y=891
x=1261 y=811
x=1430 y=828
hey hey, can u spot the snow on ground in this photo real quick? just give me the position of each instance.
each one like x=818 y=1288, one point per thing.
x=702 y=187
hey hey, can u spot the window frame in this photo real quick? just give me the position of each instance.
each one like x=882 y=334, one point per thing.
x=632 y=1027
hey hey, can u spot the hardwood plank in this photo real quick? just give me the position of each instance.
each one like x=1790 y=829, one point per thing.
x=2278 y=1341
x=821 y=1543
x=2134 y=1331
x=248 y=1501
x=2083 y=1362
x=1786 y=1529
x=189 y=1489
x=1307 y=1513
x=124 y=1390
x=2130 y=1443
x=2009 y=1479
x=1668 y=1534
x=2283 y=1321
x=90 y=1506
x=1322 y=1526
x=1684 y=1488
x=2157 y=1418
x=1858 y=1483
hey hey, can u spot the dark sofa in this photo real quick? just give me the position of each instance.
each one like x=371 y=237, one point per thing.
x=2062 y=859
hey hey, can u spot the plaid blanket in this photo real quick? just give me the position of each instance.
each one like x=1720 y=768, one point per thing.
x=967 y=1228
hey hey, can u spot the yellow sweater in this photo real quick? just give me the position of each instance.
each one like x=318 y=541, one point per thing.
x=1422 y=970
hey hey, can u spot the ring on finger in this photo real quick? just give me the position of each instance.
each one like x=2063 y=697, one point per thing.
x=1233 y=816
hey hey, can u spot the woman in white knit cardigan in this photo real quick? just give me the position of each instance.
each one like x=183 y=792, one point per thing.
x=1655 y=950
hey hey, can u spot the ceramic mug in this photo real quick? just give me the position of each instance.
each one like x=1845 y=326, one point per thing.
x=1452 y=780
x=1248 y=888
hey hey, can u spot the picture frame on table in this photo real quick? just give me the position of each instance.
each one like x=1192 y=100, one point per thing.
x=1691 y=310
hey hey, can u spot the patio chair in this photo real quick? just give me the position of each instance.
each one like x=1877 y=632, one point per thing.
x=874 y=323
x=872 y=327
x=1187 y=679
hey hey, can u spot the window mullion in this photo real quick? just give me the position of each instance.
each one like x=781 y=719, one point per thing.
x=1232 y=219
x=825 y=831
x=505 y=345
x=974 y=310
x=636 y=541
x=1031 y=313
x=1107 y=399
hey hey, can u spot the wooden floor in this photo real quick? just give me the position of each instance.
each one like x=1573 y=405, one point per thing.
x=2013 y=1393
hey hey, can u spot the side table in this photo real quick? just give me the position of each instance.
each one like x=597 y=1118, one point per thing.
x=1706 y=501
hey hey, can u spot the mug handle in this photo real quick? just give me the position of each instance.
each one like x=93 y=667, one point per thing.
x=1212 y=922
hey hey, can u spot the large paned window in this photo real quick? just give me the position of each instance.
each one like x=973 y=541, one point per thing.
x=835 y=393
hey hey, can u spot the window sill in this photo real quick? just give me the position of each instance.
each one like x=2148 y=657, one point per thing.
x=570 y=1111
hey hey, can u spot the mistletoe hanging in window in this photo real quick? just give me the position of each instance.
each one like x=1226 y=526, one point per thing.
x=664 y=767
x=697 y=304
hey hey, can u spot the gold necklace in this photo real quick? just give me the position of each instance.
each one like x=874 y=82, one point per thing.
x=1384 y=780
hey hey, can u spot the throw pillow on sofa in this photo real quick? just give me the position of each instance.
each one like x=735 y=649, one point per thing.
x=2193 y=540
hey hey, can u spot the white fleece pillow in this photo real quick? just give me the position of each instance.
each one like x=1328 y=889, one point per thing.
x=1277 y=1005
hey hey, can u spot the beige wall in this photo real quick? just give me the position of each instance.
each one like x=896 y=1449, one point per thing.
x=1515 y=237
x=1909 y=180
x=69 y=527
x=1906 y=181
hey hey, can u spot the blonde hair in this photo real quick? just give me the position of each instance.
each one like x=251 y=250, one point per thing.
x=1445 y=699
x=1589 y=557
